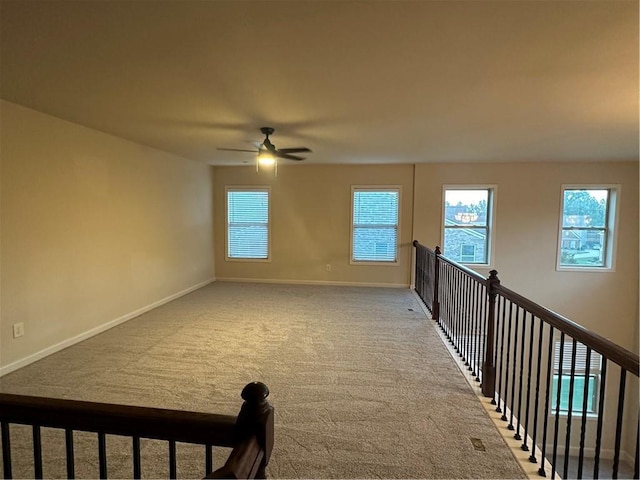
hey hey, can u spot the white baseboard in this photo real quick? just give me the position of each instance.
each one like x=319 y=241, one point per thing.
x=313 y=282
x=590 y=452
x=23 y=362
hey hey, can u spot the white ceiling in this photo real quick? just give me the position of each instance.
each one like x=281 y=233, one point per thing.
x=355 y=81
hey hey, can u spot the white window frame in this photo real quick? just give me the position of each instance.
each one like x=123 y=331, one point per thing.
x=491 y=220
x=252 y=188
x=611 y=226
x=376 y=188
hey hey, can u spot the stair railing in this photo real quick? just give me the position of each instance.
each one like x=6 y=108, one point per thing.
x=250 y=434
x=567 y=393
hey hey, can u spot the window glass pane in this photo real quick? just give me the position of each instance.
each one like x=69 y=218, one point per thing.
x=582 y=247
x=248 y=224
x=578 y=393
x=466 y=207
x=585 y=208
x=375 y=225
x=462 y=243
x=375 y=208
x=374 y=244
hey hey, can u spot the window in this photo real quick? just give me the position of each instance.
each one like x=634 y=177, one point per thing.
x=248 y=223
x=468 y=213
x=586 y=227
x=375 y=224
x=586 y=379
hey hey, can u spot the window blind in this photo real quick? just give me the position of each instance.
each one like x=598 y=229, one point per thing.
x=375 y=225
x=248 y=223
x=581 y=358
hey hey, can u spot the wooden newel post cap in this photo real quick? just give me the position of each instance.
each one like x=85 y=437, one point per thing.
x=415 y=243
x=437 y=250
x=493 y=275
x=255 y=393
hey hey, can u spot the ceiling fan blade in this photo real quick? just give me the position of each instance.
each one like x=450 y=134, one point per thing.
x=237 y=150
x=294 y=150
x=279 y=154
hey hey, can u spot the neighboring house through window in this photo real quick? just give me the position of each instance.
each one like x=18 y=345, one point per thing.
x=467 y=229
x=375 y=221
x=247 y=223
x=587 y=227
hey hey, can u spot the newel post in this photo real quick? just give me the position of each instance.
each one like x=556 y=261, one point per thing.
x=488 y=368
x=256 y=418
x=436 y=280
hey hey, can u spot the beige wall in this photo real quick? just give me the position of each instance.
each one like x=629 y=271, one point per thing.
x=311 y=223
x=526 y=237
x=94 y=229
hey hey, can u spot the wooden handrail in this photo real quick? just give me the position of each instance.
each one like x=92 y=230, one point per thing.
x=155 y=423
x=250 y=434
x=617 y=354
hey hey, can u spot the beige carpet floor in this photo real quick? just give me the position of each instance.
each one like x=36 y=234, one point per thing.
x=362 y=385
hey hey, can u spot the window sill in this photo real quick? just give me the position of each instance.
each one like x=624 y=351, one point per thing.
x=373 y=263
x=590 y=415
x=563 y=268
x=250 y=260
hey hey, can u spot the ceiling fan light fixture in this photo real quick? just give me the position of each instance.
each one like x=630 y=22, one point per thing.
x=266 y=159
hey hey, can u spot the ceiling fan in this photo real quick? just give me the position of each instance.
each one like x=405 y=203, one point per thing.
x=267 y=153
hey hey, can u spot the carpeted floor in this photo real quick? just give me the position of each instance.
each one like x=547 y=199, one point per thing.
x=362 y=385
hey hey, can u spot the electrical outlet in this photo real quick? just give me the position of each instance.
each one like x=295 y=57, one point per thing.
x=328 y=267
x=18 y=330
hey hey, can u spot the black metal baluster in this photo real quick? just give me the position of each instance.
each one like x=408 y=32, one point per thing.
x=520 y=382
x=455 y=311
x=596 y=456
x=524 y=447
x=451 y=306
x=476 y=331
x=466 y=321
x=68 y=442
x=444 y=305
x=547 y=398
x=137 y=465
x=500 y=365
x=102 y=454
x=513 y=373
x=572 y=375
x=470 y=324
x=6 y=450
x=583 y=423
x=208 y=461
x=482 y=299
x=616 y=451
x=536 y=403
x=37 y=452
x=558 y=396
x=506 y=377
x=173 y=470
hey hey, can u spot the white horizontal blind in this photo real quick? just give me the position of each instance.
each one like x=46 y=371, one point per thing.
x=248 y=223
x=581 y=359
x=375 y=225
